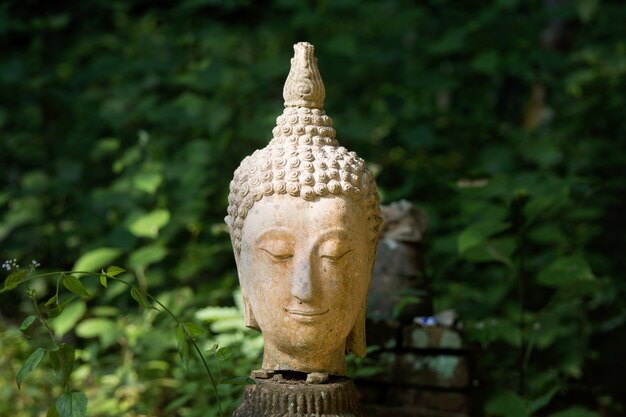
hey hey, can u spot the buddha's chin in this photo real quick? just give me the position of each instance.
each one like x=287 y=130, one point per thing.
x=304 y=341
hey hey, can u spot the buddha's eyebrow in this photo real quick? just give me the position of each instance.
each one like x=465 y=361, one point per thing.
x=274 y=233
x=338 y=233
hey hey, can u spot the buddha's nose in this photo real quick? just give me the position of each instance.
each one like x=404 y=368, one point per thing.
x=302 y=284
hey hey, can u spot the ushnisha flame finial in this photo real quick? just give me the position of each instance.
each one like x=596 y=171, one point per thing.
x=304 y=86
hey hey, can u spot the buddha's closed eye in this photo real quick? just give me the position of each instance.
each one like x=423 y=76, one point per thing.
x=277 y=255
x=335 y=257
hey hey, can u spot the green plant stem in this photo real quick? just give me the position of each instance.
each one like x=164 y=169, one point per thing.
x=197 y=349
x=43 y=321
x=45 y=324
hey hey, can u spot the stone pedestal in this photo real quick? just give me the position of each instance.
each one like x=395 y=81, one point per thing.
x=281 y=397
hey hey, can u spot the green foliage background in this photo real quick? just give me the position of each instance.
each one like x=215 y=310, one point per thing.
x=122 y=121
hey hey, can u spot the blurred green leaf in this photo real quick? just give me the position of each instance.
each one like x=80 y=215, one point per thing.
x=96 y=259
x=194 y=329
x=477 y=233
x=146 y=256
x=566 y=271
x=148 y=225
x=68 y=318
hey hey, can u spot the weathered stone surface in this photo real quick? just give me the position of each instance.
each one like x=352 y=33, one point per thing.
x=419 y=337
x=406 y=411
x=262 y=374
x=423 y=370
x=399 y=265
x=317 y=378
x=284 y=397
x=304 y=221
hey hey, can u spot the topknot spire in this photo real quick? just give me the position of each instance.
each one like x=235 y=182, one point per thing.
x=304 y=86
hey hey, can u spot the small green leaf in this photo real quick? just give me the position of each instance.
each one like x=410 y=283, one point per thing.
x=103 y=280
x=14 y=279
x=224 y=354
x=478 y=233
x=62 y=360
x=492 y=250
x=140 y=297
x=52 y=411
x=29 y=365
x=51 y=301
x=26 y=323
x=183 y=345
x=115 y=270
x=74 y=285
x=566 y=271
x=72 y=404
x=193 y=329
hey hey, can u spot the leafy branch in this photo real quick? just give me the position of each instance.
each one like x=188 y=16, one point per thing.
x=62 y=356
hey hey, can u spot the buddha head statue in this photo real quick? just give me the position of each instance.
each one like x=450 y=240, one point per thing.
x=304 y=221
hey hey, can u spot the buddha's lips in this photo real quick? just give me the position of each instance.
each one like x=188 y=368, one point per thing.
x=307 y=313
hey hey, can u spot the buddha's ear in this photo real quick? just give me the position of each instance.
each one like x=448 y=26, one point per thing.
x=248 y=315
x=356 y=339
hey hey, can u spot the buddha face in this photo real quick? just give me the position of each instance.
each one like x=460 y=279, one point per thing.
x=304 y=269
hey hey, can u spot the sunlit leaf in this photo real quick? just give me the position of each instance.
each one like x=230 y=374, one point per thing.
x=148 y=225
x=146 y=256
x=115 y=270
x=96 y=259
x=74 y=285
x=14 y=279
x=68 y=318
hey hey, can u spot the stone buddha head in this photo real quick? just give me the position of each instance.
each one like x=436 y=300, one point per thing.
x=304 y=220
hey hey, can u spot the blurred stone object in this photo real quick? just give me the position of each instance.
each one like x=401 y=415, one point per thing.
x=424 y=366
x=304 y=221
x=398 y=270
